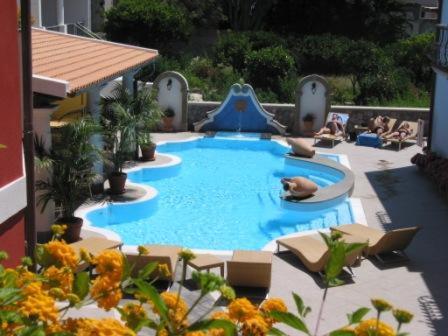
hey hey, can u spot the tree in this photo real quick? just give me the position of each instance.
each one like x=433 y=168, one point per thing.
x=247 y=14
x=203 y=13
x=382 y=21
x=148 y=23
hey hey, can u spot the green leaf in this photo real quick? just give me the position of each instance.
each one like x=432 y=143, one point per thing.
x=9 y=296
x=301 y=308
x=81 y=284
x=147 y=270
x=127 y=269
x=229 y=327
x=403 y=334
x=357 y=316
x=291 y=320
x=342 y=333
x=276 y=332
x=32 y=331
x=10 y=316
x=154 y=296
x=335 y=262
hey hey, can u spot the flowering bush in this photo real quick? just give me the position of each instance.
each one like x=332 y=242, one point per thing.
x=36 y=304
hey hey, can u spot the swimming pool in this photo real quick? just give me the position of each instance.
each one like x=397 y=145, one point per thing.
x=223 y=195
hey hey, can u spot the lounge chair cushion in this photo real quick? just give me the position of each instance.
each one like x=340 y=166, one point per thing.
x=162 y=254
x=300 y=147
x=250 y=269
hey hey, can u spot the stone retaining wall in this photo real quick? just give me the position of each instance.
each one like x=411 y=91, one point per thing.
x=284 y=112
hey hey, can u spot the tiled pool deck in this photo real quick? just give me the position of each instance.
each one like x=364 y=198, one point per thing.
x=394 y=194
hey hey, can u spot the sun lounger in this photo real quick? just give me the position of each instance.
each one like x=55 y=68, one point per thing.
x=414 y=126
x=94 y=245
x=162 y=254
x=250 y=269
x=314 y=253
x=380 y=242
x=331 y=137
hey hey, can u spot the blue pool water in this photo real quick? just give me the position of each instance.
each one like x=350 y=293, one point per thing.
x=224 y=195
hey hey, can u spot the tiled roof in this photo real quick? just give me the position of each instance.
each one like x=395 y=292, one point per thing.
x=83 y=62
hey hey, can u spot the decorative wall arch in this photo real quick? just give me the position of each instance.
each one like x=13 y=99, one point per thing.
x=242 y=112
x=312 y=96
x=172 y=92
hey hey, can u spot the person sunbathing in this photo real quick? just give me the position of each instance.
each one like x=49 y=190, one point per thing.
x=401 y=133
x=298 y=187
x=379 y=125
x=333 y=127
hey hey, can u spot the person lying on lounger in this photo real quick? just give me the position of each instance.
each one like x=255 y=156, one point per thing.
x=403 y=132
x=380 y=125
x=333 y=127
x=298 y=187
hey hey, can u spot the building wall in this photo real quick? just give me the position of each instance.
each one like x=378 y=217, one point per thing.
x=440 y=117
x=12 y=183
x=77 y=11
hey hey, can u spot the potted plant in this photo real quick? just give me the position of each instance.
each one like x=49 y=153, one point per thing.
x=120 y=135
x=70 y=165
x=308 y=123
x=168 y=119
x=147 y=147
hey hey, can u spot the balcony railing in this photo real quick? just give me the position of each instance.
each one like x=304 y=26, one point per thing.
x=441 y=48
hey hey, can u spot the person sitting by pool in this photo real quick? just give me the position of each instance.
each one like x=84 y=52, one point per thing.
x=334 y=127
x=379 y=125
x=401 y=133
x=298 y=187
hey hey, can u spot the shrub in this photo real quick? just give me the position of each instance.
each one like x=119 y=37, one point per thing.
x=320 y=53
x=266 y=67
x=412 y=54
x=148 y=23
x=231 y=49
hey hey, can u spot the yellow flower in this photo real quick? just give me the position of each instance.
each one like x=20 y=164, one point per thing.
x=177 y=308
x=133 y=315
x=274 y=304
x=196 y=333
x=241 y=309
x=163 y=270
x=63 y=254
x=187 y=255
x=106 y=292
x=142 y=250
x=402 y=316
x=102 y=327
x=109 y=263
x=227 y=292
x=59 y=277
x=85 y=255
x=381 y=305
x=368 y=327
x=37 y=303
x=255 y=326
x=219 y=315
x=58 y=229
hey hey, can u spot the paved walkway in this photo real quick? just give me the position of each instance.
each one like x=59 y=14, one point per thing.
x=394 y=194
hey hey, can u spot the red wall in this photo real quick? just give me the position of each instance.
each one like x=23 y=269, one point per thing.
x=12 y=233
x=10 y=95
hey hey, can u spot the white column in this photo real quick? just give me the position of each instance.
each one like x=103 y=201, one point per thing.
x=60 y=13
x=93 y=106
x=128 y=81
x=41 y=119
x=89 y=14
x=36 y=11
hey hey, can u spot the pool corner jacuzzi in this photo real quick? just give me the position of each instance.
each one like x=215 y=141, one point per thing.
x=225 y=194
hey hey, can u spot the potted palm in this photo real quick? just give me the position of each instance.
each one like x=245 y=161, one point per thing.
x=168 y=119
x=70 y=166
x=308 y=123
x=147 y=147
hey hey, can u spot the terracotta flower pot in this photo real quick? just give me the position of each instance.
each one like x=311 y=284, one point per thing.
x=74 y=225
x=117 y=183
x=168 y=124
x=148 y=152
x=308 y=127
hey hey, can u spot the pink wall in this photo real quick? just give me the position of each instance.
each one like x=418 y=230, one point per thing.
x=10 y=96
